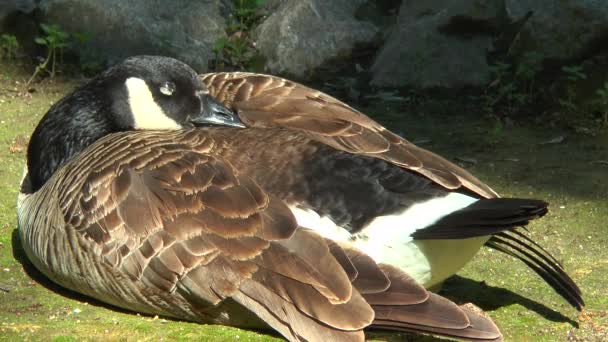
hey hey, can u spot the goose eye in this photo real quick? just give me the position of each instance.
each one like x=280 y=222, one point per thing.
x=168 y=88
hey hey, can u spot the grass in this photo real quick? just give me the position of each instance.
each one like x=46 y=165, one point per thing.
x=572 y=176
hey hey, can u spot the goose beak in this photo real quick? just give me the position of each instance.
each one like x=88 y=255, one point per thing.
x=213 y=113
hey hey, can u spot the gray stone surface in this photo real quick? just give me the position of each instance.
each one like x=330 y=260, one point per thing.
x=183 y=29
x=8 y=7
x=560 y=29
x=301 y=35
x=417 y=53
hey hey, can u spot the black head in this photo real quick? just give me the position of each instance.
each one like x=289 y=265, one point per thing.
x=152 y=92
x=144 y=92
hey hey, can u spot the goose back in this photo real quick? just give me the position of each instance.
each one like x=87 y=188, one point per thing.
x=268 y=101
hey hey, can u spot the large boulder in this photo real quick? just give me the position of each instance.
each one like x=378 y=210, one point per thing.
x=561 y=29
x=183 y=29
x=10 y=11
x=11 y=7
x=424 y=50
x=301 y=35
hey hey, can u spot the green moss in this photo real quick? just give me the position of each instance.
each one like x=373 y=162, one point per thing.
x=520 y=303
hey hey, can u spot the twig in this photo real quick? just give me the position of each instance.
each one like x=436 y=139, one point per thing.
x=5 y=288
x=601 y=162
x=11 y=90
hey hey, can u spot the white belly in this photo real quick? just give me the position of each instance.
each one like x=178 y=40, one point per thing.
x=387 y=239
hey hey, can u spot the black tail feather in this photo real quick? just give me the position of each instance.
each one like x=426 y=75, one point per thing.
x=484 y=217
x=518 y=245
x=544 y=254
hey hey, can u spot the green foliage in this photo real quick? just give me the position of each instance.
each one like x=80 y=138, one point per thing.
x=527 y=71
x=571 y=75
x=245 y=11
x=88 y=60
x=574 y=73
x=8 y=46
x=56 y=40
x=519 y=88
x=82 y=38
x=512 y=85
x=602 y=101
x=237 y=50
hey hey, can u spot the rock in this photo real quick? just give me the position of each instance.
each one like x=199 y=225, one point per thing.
x=301 y=35
x=183 y=29
x=560 y=29
x=425 y=50
x=8 y=8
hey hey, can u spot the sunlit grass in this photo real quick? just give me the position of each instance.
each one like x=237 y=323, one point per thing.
x=567 y=174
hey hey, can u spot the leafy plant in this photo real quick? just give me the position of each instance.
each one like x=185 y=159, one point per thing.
x=82 y=38
x=574 y=73
x=237 y=49
x=513 y=84
x=88 y=60
x=55 y=40
x=8 y=46
x=527 y=70
x=571 y=75
x=602 y=100
x=245 y=11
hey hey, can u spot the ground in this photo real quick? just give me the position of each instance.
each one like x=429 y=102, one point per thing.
x=570 y=172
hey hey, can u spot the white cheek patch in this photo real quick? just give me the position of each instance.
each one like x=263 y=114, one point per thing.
x=146 y=112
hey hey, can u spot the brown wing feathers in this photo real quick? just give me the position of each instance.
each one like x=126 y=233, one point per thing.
x=412 y=308
x=179 y=221
x=268 y=101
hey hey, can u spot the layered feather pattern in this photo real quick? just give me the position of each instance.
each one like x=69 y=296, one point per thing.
x=301 y=118
x=160 y=222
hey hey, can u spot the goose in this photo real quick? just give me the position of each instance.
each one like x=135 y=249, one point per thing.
x=129 y=196
x=352 y=180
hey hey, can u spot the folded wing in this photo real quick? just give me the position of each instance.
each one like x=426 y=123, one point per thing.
x=268 y=101
x=192 y=235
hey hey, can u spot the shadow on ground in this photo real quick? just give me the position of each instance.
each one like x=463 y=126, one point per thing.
x=489 y=298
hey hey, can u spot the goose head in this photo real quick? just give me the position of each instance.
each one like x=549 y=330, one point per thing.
x=151 y=92
x=140 y=93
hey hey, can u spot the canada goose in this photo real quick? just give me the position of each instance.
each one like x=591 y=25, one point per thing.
x=354 y=181
x=125 y=202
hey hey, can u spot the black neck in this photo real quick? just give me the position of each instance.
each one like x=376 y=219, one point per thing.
x=68 y=128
